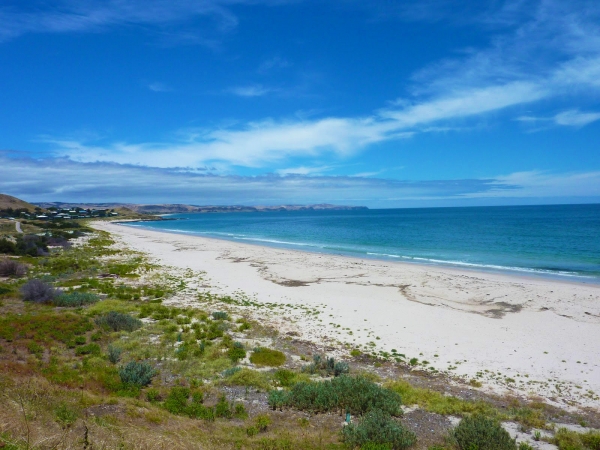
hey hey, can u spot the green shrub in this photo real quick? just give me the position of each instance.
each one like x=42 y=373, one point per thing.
x=266 y=357
x=153 y=395
x=65 y=415
x=262 y=422
x=340 y=368
x=7 y=247
x=356 y=394
x=285 y=378
x=75 y=299
x=566 y=439
x=229 y=372
x=220 y=315
x=90 y=349
x=177 y=400
x=239 y=411
x=114 y=354
x=481 y=433
x=326 y=366
x=223 y=409
x=137 y=373
x=591 y=440
x=35 y=348
x=378 y=430
x=117 y=321
x=236 y=352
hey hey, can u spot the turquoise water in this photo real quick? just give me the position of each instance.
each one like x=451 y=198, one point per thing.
x=558 y=240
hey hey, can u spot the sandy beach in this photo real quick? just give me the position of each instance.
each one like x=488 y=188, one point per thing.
x=529 y=336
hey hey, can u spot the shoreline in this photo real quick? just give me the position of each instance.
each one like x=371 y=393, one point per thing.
x=525 y=335
x=525 y=273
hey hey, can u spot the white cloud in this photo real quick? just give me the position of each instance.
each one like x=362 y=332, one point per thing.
x=253 y=146
x=571 y=118
x=159 y=87
x=303 y=170
x=250 y=91
x=467 y=103
x=273 y=64
x=98 y=15
x=575 y=118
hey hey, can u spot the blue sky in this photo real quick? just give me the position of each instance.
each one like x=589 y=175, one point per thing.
x=385 y=104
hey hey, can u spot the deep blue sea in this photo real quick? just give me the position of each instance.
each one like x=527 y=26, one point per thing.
x=558 y=241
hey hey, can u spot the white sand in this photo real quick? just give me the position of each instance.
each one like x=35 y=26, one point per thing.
x=544 y=334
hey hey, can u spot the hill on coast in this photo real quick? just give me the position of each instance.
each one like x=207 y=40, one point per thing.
x=8 y=201
x=184 y=208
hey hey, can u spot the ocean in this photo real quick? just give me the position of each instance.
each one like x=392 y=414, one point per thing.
x=561 y=241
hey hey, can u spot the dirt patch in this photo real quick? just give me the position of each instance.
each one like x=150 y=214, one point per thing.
x=502 y=308
x=104 y=410
x=431 y=428
x=291 y=283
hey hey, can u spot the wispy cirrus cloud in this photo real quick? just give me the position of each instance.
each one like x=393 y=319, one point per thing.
x=64 y=16
x=571 y=118
x=159 y=87
x=255 y=90
x=574 y=118
x=551 y=52
x=253 y=145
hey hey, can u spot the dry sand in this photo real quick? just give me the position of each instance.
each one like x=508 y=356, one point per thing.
x=543 y=334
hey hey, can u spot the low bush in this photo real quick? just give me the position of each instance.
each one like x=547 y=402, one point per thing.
x=482 y=433
x=117 y=321
x=114 y=354
x=90 y=349
x=65 y=415
x=137 y=374
x=232 y=371
x=38 y=291
x=566 y=439
x=285 y=378
x=220 y=315
x=223 y=409
x=262 y=422
x=326 y=366
x=236 y=352
x=355 y=394
x=75 y=299
x=177 y=400
x=266 y=357
x=7 y=247
x=12 y=268
x=378 y=430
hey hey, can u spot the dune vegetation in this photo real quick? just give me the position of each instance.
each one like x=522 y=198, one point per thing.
x=97 y=351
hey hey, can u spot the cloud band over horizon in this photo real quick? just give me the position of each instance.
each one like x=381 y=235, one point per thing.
x=61 y=179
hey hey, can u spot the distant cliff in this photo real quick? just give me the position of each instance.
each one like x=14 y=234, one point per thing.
x=182 y=208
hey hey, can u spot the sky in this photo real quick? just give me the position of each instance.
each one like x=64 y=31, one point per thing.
x=378 y=103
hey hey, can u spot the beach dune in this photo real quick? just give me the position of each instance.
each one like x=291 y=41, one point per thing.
x=528 y=335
